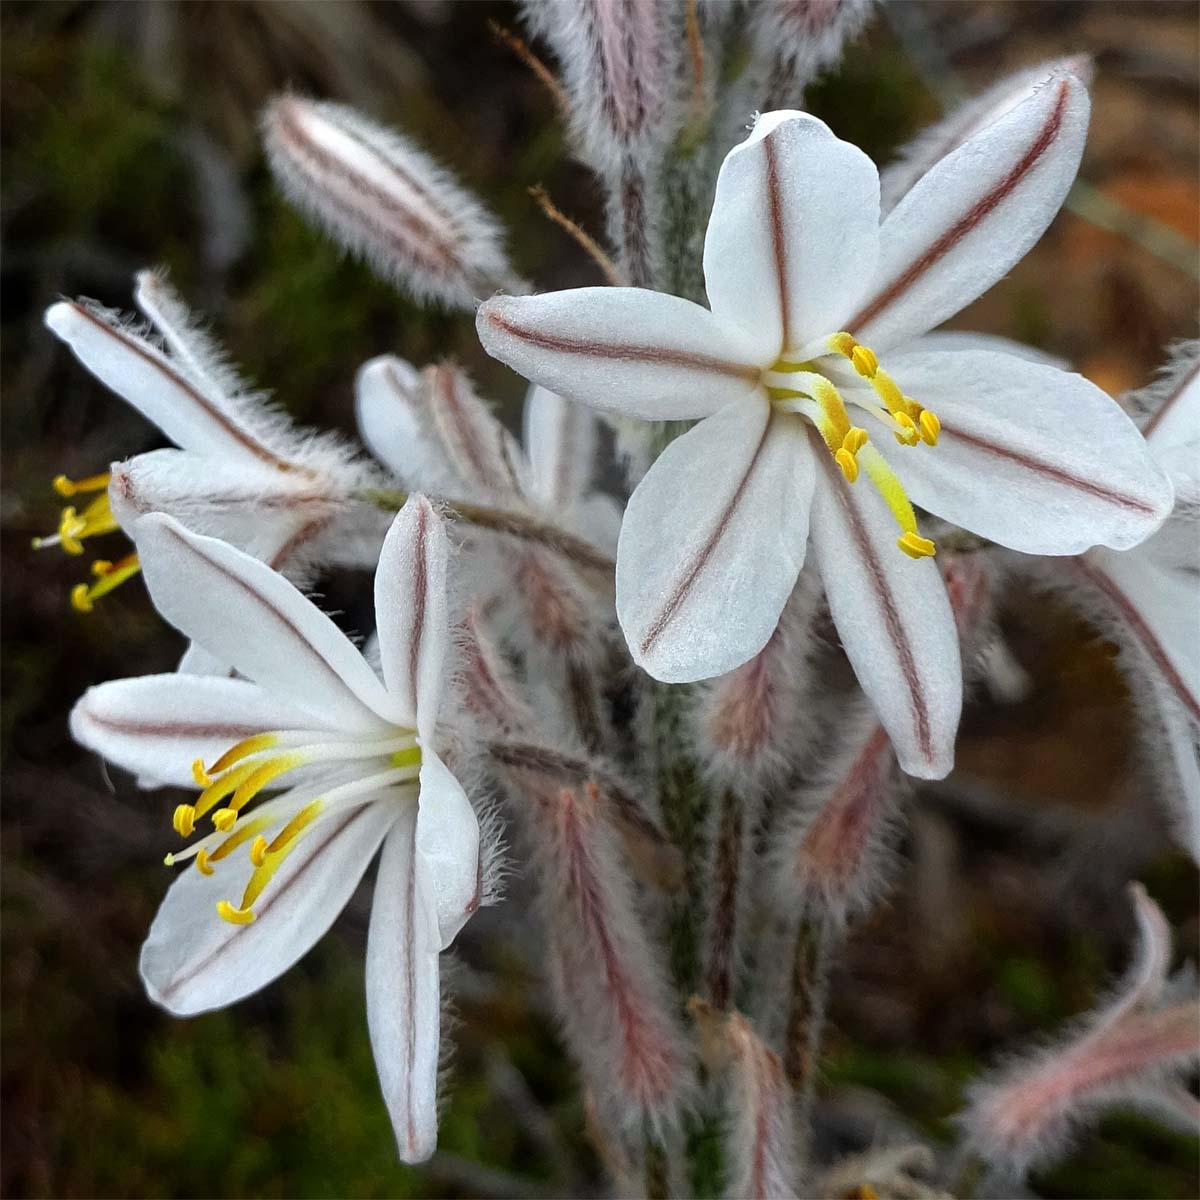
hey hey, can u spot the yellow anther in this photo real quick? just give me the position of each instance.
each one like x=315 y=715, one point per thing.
x=861 y=357
x=910 y=435
x=184 y=820
x=109 y=576
x=411 y=757
x=71 y=528
x=200 y=775
x=202 y=863
x=224 y=819
x=855 y=440
x=916 y=546
x=239 y=837
x=930 y=427
x=71 y=487
x=258 y=852
x=848 y=463
x=235 y=916
x=81 y=600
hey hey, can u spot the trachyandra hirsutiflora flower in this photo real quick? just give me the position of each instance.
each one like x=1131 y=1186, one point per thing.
x=268 y=879
x=242 y=471
x=821 y=416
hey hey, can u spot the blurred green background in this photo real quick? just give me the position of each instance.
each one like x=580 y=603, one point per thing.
x=128 y=134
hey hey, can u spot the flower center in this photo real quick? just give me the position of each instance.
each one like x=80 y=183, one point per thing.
x=75 y=526
x=258 y=762
x=799 y=386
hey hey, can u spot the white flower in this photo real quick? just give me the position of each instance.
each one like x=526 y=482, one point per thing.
x=800 y=274
x=366 y=770
x=242 y=472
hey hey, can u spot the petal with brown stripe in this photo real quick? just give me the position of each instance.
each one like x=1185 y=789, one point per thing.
x=793 y=239
x=403 y=997
x=158 y=725
x=893 y=618
x=249 y=616
x=974 y=215
x=712 y=543
x=192 y=961
x=1037 y=459
x=410 y=612
x=623 y=350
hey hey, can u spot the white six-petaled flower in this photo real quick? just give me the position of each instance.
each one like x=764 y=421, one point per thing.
x=806 y=288
x=366 y=772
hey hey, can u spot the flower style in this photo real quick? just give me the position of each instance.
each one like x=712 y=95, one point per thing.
x=362 y=756
x=806 y=289
x=241 y=472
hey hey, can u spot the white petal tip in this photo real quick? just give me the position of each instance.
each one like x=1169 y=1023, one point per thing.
x=60 y=317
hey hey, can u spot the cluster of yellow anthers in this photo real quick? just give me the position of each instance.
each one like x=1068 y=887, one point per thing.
x=75 y=526
x=239 y=775
x=800 y=387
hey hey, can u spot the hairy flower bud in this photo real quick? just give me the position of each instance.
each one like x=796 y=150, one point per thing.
x=387 y=201
x=1131 y=1051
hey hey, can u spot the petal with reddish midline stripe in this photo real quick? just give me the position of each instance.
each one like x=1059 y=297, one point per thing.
x=410 y=612
x=893 y=618
x=1158 y=605
x=159 y=725
x=249 y=616
x=712 y=543
x=974 y=214
x=560 y=442
x=403 y=1004
x=194 y=961
x=191 y=410
x=387 y=399
x=1034 y=458
x=793 y=239
x=623 y=350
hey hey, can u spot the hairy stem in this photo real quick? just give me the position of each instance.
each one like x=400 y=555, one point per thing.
x=723 y=929
x=498 y=520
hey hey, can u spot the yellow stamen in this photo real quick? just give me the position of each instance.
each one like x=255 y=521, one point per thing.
x=184 y=819
x=262 y=776
x=916 y=546
x=71 y=487
x=277 y=852
x=911 y=435
x=906 y=411
x=258 y=852
x=235 y=916
x=243 y=749
x=109 y=577
x=224 y=819
x=200 y=775
x=221 y=786
x=202 y=863
x=890 y=488
x=848 y=463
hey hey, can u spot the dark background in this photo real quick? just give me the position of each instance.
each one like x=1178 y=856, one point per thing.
x=129 y=139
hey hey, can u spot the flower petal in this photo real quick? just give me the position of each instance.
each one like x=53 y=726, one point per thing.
x=158 y=725
x=403 y=996
x=189 y=408
x=712 y=542
x=974 y=214
x=1158 y=606
x=793 y=239
x=1036 y=459
x=1176 y=420
x=893 y=617
x=447 y=848
x=953 y=341
x=387 y=399
x=623 y=350
x=245 y=614
x=194 y=961
x=410 y=612
x=560 y=443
